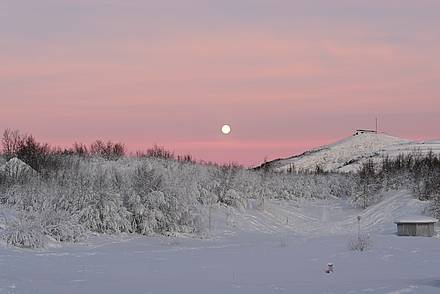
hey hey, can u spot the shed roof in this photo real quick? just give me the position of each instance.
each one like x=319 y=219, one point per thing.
x=416 y=219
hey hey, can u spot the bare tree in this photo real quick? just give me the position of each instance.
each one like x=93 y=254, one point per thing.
x=109 y=150
x=80 y=149
x=11 y=142
x=159 y=152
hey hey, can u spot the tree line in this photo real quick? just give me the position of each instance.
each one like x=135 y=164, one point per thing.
x=98 y=188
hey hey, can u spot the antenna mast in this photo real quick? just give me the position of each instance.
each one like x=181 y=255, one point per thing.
x=376 y=124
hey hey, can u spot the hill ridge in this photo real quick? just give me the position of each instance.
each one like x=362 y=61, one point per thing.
x=348 y=154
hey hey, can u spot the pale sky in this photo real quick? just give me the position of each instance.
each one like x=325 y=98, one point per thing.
x=286 y=75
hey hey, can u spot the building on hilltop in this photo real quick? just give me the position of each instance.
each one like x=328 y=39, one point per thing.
x=361 y=131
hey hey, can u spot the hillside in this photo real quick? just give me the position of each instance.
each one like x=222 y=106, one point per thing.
x=348 y=154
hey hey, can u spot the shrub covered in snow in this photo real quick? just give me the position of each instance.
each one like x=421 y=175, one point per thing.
x=25 y=232
x=62 y=226
x=105 y=213
x=360 y=242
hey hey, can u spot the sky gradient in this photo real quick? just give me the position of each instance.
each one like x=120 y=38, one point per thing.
x=286 y=75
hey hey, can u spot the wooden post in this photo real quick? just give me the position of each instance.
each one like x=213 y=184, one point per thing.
x=209 y=212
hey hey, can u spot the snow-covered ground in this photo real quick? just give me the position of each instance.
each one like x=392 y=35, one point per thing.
x=282 y=249
x=348 y=154
x=329 y=217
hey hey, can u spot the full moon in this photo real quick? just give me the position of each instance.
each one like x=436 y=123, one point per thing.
x=226 y=129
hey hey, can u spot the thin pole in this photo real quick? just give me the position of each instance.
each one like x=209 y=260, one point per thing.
x=209 y=212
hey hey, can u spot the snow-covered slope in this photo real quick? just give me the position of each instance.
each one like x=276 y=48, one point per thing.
x=348 y=155
x=330 y=216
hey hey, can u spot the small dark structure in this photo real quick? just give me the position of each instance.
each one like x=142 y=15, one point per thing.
x=362 y=131
x=416 y=226
x=329 y=268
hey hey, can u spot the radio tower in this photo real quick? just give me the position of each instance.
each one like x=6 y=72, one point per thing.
x=376 y=124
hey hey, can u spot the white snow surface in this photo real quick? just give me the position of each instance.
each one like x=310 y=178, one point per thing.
x=284 y=248
x=348 y=155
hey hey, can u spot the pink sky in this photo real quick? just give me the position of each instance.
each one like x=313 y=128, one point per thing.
x=286 y=76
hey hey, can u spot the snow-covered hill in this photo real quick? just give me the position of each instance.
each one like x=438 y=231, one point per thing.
x=348 y=154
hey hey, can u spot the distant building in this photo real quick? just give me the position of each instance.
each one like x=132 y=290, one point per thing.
x=358 y=132
x=416 y=226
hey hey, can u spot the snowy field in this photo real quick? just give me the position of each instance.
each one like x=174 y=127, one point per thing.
x=283 y=249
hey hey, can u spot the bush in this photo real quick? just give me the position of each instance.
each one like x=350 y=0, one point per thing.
x=62 y=227
x=25 y=232
x=105 y=214
x=234 y=199
x=146 y=214
x=360 y=242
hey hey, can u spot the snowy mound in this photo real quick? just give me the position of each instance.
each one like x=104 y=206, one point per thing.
x=349 y=154
x=15 y=167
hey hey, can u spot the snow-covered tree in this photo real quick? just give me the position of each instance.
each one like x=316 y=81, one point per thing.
x=368 y=187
